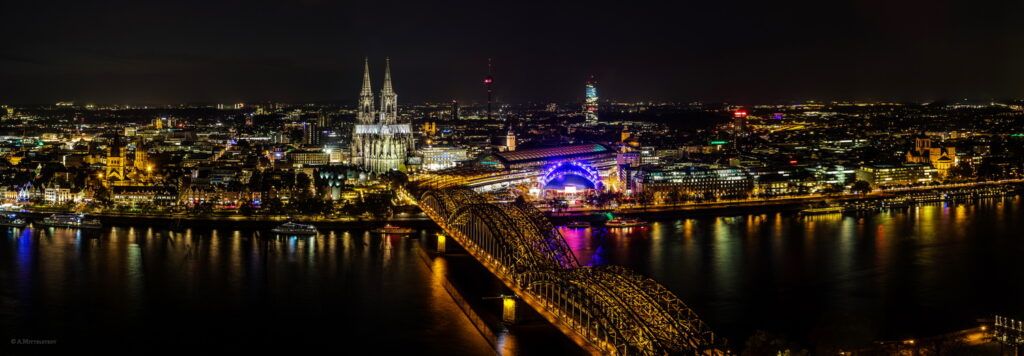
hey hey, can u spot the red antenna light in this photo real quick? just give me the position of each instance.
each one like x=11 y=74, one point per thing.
x=490 y=72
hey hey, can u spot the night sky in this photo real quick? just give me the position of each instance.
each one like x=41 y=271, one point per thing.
x=136 y=52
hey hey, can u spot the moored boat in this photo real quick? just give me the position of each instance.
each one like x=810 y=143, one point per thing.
x=625 y=223
x=393 y=230
x=290 y=228
x=822 y=211
x=12 y=220
x=76 y=221
x=578 y=224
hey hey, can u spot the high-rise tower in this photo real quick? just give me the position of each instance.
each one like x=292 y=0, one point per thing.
x=489 y=83
x=739 y=118
x=590 y=105
x=311 y=134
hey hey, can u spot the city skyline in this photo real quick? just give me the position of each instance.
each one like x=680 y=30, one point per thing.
x=136 y=53
x=513 y=178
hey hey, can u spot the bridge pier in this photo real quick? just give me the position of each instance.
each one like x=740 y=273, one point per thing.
x=508 y=309
x=440 y=243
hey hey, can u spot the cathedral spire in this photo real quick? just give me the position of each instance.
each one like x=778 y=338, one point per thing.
x=388 y=98
x=366 y=78
x=387 y=77
x=366 y=113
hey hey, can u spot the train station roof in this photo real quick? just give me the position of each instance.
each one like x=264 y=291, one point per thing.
x=540 y=155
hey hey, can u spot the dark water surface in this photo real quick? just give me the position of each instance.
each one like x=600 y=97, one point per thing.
x=209 y=290
x=834 y=280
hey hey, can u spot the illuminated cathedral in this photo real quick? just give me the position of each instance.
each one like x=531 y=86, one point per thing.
x=119 y=172
x=381 y=141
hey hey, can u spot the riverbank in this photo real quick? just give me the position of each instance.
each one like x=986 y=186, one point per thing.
x=240 y=221
x=419 y=220
x=765 y=206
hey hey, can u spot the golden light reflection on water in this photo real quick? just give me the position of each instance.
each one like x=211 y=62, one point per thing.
x=921 y=219
x=845 y=249
x=725 y=253
x=961 y=221
x=131 y=273
x=657 y=235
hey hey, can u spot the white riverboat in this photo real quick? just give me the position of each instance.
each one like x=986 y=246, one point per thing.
x=76 y=221
x=290 y=228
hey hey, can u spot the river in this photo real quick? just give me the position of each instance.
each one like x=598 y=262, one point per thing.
x=821 y=280
x=835 y=280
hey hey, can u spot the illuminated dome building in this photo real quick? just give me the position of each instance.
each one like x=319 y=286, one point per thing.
x=572 y=168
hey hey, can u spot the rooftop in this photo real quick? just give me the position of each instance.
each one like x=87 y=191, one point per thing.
x=545 y=153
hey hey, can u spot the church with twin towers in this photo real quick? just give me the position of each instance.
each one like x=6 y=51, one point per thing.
x=381 y=141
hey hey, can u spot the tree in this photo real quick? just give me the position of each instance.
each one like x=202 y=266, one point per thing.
x=255 y=183
x=288 y=179
x=353 y=209
x=673 y=196
x=246 y=208
x=990 y=170
x=379 y=204
x=308 y=205
x=644 y=197
x=302 y=184
x=764 y=343
x=102 y=194
x=394 y=179
x=273 y=206
x=832 y=188
x=961 y=171
x=861 y=187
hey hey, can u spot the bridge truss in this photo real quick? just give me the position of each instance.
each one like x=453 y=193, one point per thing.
x=605 y=309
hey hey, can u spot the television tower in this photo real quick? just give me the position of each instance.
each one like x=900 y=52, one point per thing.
x=488 y=82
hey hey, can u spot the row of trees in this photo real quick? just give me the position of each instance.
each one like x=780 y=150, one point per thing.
x=376 y=204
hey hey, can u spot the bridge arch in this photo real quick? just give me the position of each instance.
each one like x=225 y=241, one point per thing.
x=490 y=228
x=540 y=234
x=446 y=201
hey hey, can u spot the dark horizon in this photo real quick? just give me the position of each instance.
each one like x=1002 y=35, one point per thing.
x=130 y=52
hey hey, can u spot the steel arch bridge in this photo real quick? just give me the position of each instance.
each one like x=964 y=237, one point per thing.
x=606 y=309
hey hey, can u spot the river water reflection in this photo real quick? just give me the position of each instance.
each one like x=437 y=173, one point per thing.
x=223 y=289
x=832 y=279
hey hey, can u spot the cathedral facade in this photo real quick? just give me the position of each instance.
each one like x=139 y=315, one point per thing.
x=381 y=141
